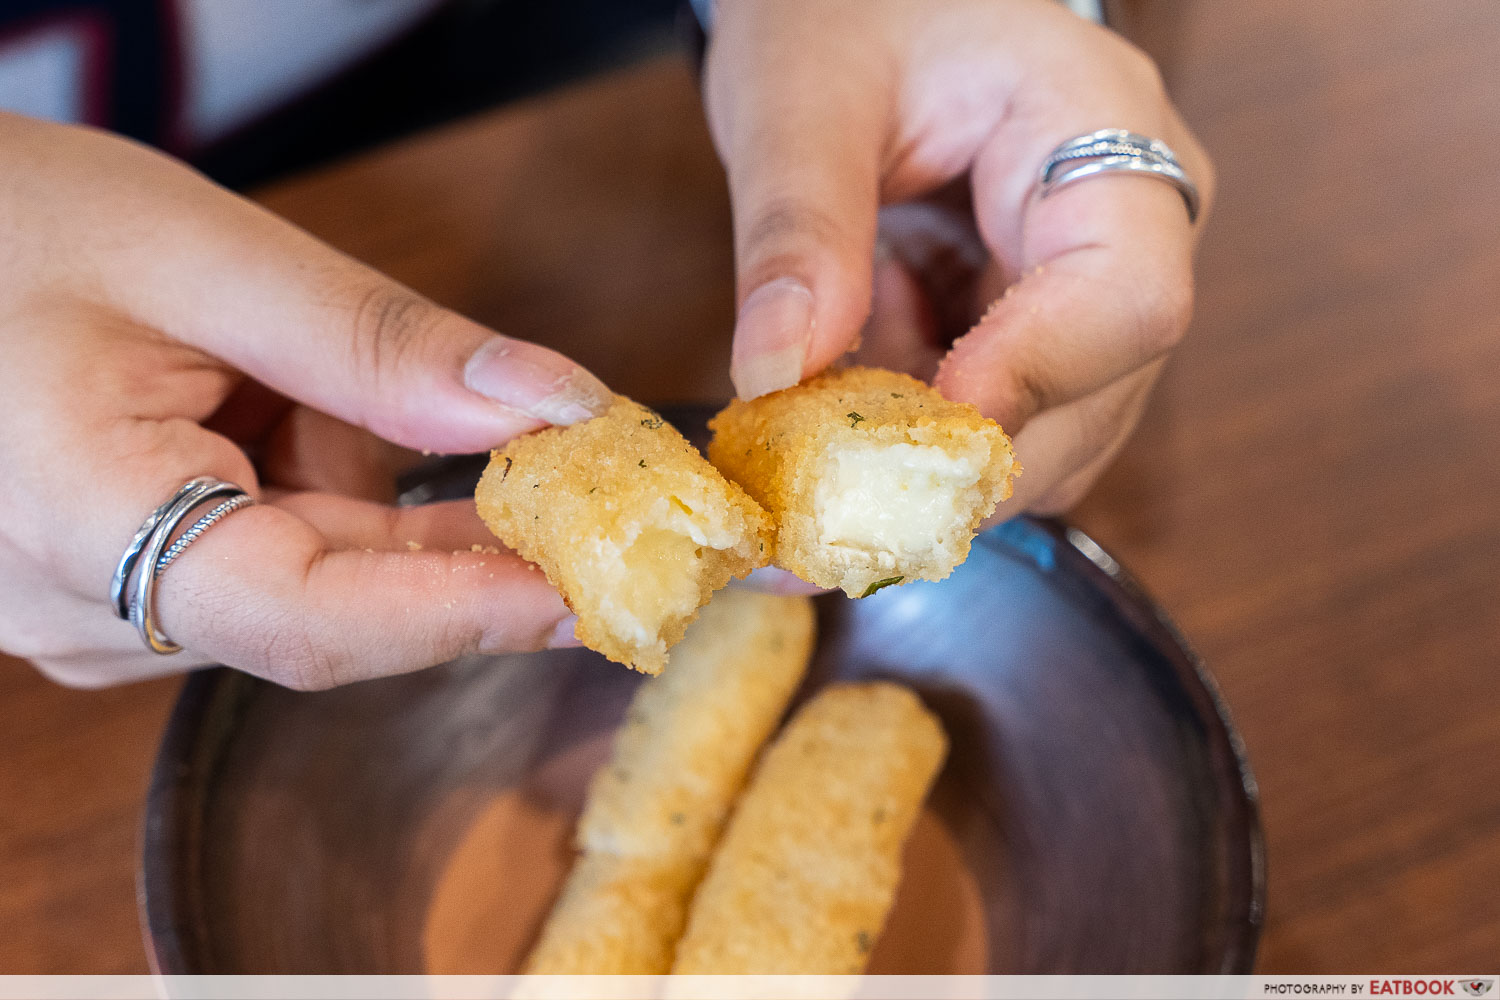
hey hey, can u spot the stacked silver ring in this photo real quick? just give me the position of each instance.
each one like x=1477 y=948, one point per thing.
x=1116 y=150
x=132 y=591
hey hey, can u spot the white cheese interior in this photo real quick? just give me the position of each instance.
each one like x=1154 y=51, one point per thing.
x=656 y=572
x=898 y=498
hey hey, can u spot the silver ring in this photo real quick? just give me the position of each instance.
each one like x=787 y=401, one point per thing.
x=149 y=552
x=188 y=537
x=126 y=566
x=1072 y=149
x=1115 y=150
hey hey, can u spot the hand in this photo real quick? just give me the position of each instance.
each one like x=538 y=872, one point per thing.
x=153 y=328
x=943 y=112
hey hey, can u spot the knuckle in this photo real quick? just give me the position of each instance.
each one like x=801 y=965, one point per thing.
x=285 y=636
x=1166 y=310
x=787 y=227
x=293 y=653
x=1061 y=499
x=298 y=660
x=1140 y=70
x=1031 y=392
x=388 y=324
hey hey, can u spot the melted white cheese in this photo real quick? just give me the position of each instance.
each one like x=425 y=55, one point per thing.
x=653 y=577
x=900 y=498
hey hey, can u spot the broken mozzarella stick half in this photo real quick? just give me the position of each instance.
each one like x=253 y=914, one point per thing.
x=655 y=811
x=872 y=477
x=632 y=526
x=807 y=869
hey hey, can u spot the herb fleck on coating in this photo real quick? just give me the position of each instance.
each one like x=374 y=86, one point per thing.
x=880 y=584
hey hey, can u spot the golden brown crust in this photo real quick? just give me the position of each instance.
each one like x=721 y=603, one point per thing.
x=616 y=916
x=631 y=525
x=690 y=735
x=655 y=810
x=807 y=869
x=781 y=446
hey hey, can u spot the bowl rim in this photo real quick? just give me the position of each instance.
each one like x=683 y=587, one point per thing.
x=212 y=700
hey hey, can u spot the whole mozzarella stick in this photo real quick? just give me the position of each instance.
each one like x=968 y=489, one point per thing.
x=654 y=812
x=807 y=869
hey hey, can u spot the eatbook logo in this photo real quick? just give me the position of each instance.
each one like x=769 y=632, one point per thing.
x=1477 y=987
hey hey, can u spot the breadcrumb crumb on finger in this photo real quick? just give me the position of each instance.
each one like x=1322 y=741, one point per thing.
x=654 y=812
x=807 y=869
x=629 y=522
x=872 y=477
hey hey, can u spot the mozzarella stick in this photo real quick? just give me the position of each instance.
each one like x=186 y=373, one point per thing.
x=653 y=814
x=691 y=734
x=807 y=869
x=616 y=916
x=871 y=477
x=631 y=525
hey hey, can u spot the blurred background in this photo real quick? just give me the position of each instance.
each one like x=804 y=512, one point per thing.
x=1312 y=495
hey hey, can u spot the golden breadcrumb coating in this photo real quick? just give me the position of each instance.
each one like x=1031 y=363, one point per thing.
x=631 y=525
x=871 y=476
x=691 y=734
x=807 y=869
x=616 y=916
x=655 y=811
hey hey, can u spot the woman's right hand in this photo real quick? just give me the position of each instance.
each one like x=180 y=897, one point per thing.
x=154 y=328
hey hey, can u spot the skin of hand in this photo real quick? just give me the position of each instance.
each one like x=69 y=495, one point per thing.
x=883 y=158
x=153 y=328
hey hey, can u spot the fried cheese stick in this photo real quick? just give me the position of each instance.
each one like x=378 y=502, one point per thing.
x=654 y=813
x=616 y=916
x=872 y=477
x=631 y=525
x=807 y=869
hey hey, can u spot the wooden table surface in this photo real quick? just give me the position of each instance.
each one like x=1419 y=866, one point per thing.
x=1314 y=495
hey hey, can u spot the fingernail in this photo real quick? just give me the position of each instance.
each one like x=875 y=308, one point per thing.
x=539 y=383
x=771 y=336
x=562 y=636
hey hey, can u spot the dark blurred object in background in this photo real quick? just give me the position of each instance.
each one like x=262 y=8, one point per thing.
x=467 y=56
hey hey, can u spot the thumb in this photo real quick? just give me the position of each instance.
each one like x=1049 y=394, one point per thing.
x=803 y=161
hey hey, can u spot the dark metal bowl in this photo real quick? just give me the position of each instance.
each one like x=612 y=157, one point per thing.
x=1096 y=814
